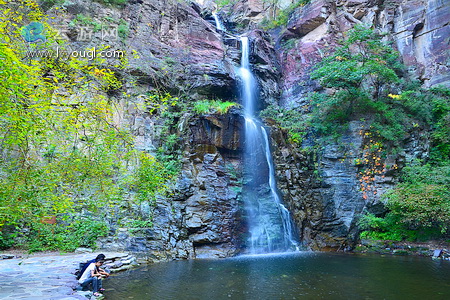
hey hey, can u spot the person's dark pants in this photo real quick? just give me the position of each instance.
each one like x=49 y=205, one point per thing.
x=96 y=283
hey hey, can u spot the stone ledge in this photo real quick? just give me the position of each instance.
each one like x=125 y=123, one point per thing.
x=435 y=251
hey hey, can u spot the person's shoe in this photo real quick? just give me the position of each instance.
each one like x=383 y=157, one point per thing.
x=97 y=294
x=101 y=290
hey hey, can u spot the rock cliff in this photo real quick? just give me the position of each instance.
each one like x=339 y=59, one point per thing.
x=327 y=192
x=174 y=46
x=419 y=30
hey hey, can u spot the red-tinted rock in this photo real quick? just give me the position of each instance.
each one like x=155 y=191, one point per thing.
x=306 y=19
x=422 y=36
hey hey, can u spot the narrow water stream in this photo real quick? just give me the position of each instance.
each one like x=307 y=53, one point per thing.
x=301 y=275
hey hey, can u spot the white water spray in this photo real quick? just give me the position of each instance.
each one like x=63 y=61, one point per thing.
x=219 y=25
x=270 y=225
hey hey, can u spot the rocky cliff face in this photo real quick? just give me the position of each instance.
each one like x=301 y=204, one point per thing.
x=326 y=193
x=202 y=217
x=419 y=29
x=328 y=189
x=171 y=46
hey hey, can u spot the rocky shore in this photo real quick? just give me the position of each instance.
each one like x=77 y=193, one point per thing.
x=51 y=275
x=436 y=250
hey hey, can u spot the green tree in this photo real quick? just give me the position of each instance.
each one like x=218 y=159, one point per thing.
x=359 y=73
x=418 y=208
x=61 y=151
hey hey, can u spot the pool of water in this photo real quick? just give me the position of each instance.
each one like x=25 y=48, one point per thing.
x=287 y=276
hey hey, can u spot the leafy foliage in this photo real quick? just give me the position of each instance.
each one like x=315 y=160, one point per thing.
x=80 y=233
x=222 y=3
x=113 y=2
x=85 y=20
x=361 y=72
x=280 y=18
x=61 y=151
x=213 y=106
x=151 y=177
x=123 y=29
x=387 y=228
x=432 y=108
x=419 y=207
x=47 y=4
x=362 y=76
x=391 y=228
x=423 y=199
x=295 y=123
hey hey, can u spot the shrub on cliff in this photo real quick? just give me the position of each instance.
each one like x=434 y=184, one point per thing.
x=213 y=106
x=359 y=75
x=419 y=207
x=423 y=198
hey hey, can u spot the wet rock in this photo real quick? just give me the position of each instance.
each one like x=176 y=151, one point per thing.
x=221 y=131
x=265 y=67
x=204 y=208
x=437 y=253
x=214 y=251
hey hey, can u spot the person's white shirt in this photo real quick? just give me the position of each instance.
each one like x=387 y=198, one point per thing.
x=87 y=273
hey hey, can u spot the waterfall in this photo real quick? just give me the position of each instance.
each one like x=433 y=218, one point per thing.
x=219 y=25
x=270 y=225
x=269 y=222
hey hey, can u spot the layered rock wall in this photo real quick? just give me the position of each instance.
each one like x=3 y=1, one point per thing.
x=326 y=193
x=202 y=217
x=419 y=29
x=421 y=32
x=171 y=47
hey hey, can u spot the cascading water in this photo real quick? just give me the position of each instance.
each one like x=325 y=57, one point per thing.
x=269 y=222
x=270 y=225
x=219 y=25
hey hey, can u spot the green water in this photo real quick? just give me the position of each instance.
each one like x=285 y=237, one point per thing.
x=292 y=276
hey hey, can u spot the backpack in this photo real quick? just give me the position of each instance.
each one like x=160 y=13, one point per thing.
x=81 y=268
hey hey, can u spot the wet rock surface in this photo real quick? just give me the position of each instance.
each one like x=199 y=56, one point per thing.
x=436 y=250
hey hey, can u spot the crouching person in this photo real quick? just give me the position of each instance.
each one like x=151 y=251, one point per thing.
x=92 y=275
